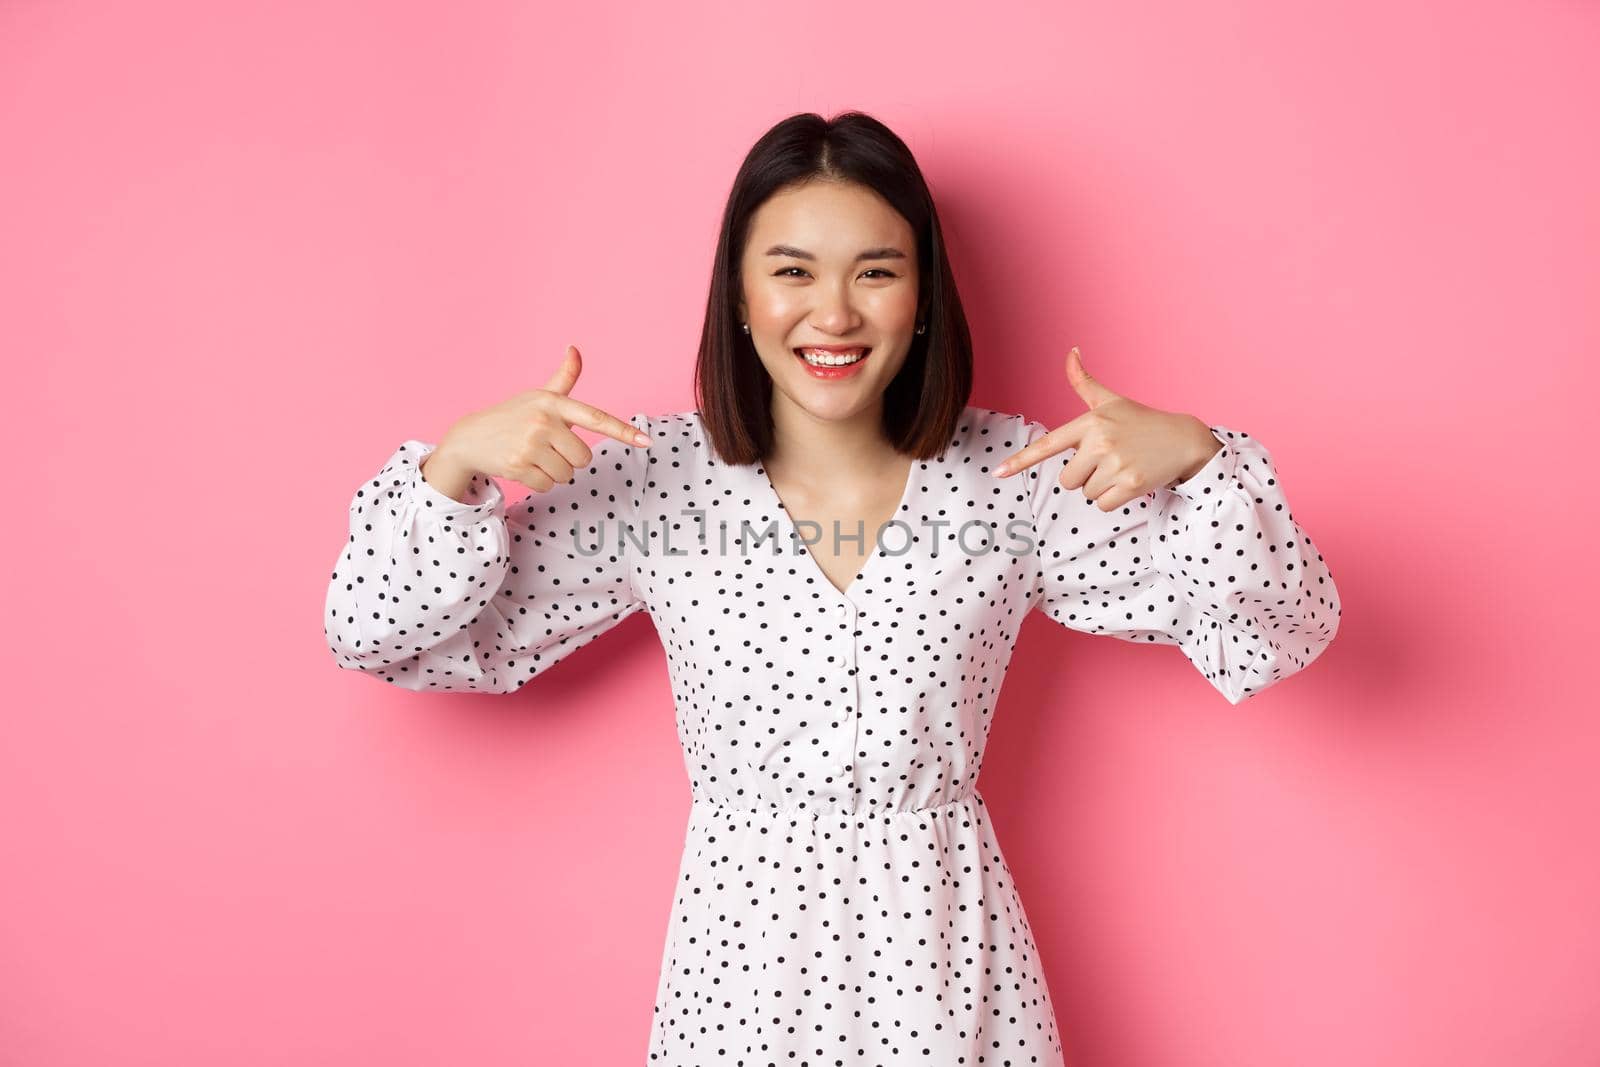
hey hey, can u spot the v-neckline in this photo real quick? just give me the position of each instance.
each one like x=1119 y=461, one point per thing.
x=901 y=505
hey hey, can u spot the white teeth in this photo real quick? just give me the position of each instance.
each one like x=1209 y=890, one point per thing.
x=830 y=359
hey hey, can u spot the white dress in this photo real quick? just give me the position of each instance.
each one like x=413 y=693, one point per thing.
x=842 y=898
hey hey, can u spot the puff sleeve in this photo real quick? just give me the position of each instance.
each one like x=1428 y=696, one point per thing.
x=1216 y=565
x=435 y=594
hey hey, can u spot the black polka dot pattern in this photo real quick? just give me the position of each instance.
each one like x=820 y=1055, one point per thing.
x=842 y=897
x=1216 y=565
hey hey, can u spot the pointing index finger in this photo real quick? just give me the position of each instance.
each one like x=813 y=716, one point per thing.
x=577 y=413
x=1057 y=440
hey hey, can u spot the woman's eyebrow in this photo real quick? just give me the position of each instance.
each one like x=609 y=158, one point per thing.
x=885 y=252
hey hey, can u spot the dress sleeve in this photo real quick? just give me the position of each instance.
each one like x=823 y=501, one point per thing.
x=436 y=594
x=1216 y=565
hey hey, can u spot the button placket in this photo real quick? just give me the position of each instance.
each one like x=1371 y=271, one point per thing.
x=845 y=613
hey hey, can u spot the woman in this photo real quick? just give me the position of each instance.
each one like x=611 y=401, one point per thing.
x=842 y=897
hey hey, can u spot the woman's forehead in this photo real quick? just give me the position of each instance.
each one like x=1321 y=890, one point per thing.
x=827 y=219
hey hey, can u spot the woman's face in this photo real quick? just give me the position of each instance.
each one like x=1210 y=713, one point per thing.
x=829 y=263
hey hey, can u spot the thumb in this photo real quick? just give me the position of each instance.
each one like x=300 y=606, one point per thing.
x=566 y=374
x=1089 y=388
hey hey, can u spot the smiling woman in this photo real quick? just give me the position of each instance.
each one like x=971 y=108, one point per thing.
x=830 y=240
x=841 y=896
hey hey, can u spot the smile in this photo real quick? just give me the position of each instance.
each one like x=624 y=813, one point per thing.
x=818 y=357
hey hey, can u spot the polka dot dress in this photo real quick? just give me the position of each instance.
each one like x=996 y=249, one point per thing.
x=842 y=897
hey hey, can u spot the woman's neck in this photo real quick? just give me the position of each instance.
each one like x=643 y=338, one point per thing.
x=812 y=452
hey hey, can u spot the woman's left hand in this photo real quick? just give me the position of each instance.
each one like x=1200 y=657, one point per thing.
x=1124 y=449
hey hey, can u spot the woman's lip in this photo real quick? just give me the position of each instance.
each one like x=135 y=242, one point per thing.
x=832 y=372
x=835 y=349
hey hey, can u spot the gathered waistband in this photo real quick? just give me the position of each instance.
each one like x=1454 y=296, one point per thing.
x=833 y=811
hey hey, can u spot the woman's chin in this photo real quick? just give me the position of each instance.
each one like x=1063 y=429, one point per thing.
x=833 y=401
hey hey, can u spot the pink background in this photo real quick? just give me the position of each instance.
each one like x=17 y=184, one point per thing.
x=248 y=252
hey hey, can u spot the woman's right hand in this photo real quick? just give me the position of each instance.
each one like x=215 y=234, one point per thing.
x=527 y=438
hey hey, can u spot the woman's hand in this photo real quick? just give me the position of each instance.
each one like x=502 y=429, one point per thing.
x=529 y=437
x=1124 y=449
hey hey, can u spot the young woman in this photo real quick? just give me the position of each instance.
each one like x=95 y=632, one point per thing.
x=837 y=552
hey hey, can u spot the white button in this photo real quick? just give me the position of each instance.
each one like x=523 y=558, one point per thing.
x=842 y=610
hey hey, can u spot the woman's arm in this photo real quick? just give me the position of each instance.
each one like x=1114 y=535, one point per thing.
x=433 y=593
x=1216 y=565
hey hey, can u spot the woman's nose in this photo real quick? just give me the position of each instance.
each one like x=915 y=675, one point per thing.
x=834 y=314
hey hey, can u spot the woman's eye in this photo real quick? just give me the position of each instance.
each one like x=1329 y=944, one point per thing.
x=871 y=270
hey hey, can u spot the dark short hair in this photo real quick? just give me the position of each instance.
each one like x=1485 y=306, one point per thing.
x=923 y=403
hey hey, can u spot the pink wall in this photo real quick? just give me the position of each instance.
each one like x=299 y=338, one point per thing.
x=248 y=253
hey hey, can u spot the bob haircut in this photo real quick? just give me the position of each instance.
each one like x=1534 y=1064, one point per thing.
x=923 y=403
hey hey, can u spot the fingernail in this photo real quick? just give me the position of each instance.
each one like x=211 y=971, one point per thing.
x=1004 y=468
x=640 y=439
